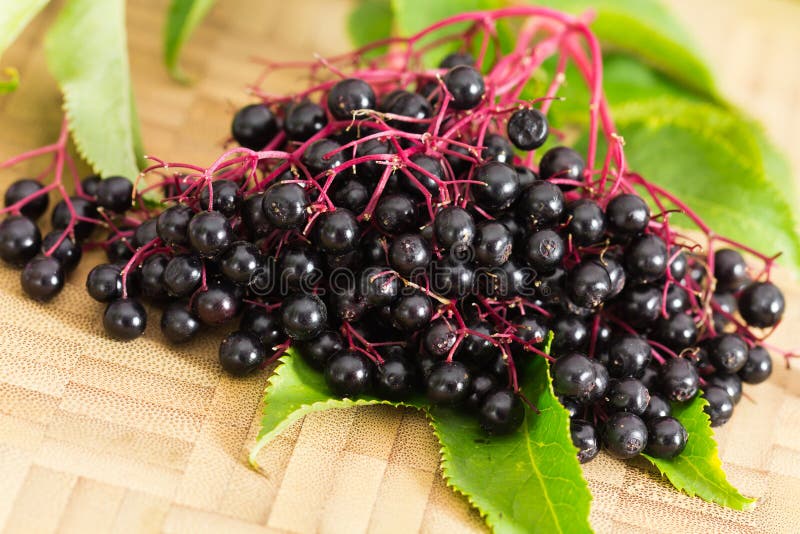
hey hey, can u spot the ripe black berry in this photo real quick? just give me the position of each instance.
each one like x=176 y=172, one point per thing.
x=115 y=193
x=182 y=275
x=350 y=194
x=226 y=197
x=493 y=244
x=20 y=240
x=762 y=304
x=757 y=368
x=316 y=158
x=666 y=437
x=42 y=278
x=496 y=148
x=145 y=232
x=628 y=356
x=640 y=305
x=432 y=167
x=720 y=405
x=499 y=188
x=173 y=225
x=727 y=352
x=241 y=353
x=573 y=375
x=318 y=350
x=152 y=276
x=457 y=58
x=475 y=349
x=627 y=395
x=254 y=126
x=104 y=283
x=657 y=407
x=285 y=205
x=411 y=312
x=350 y=95
x=677 y=300
x=336 y=232
x=679 y=379
x=732 y=383
x=209 y=233
x=627 y=214
x=624 y=435
x=601 y=384
x=730 y=270
x=303 y=120
x=528 y=129
x=589 y=285
x=439 y=338
x=68 y=252
x=125 y=319
x=453 y=227
x=348 y=373
x=448 y=383
x=394 y=379
x=646 y=258
x=544 y=250
x=540 y=205
x=584 y=438
x=563 y=163
x=678 y=332
x=501 y=412
x=265 y=324
x=303 y=316
x=218 y=304
x=466 y=86
x=178 y=323
x=379 y=288
x=678 y=264
x=409 y=253
x=60 y=217
x=395 y=213
x=569 y=333
x=452 y=278
x=241 y=262
x=411 y=105
x=23 y=189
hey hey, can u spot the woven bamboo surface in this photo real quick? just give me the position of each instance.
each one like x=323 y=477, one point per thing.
x=99 y=436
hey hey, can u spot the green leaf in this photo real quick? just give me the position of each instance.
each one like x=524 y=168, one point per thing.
x=87 y=53
x=14 y=17
x=370 y=20
x=710 y=159
x=698 y=469
x=529 y=481
x=182 y=19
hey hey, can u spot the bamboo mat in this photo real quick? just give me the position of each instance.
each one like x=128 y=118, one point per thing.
x=98 y=436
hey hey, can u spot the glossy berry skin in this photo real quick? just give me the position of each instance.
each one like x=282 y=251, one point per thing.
x=501 y=412
x=395 y=213
x=350 y=194
x=627 y=395
x=573 y=375
x=544 y=250
x=727 y=352
x=241 y=353
x=409 y=253
x=241 y=262
x=677 y=300
x=727 y=305
x=666 y=437
x=678 y=332
x=318 y=350
x=493 y=244
x=657 y=407
x=589 y=285
x=68 y=252
x=678 y=263
x=145 y=232
x=348 y=373
x=466 y=85
x=285 y=205
x=125 y=319
x=20 y=240
x=303 y=316
x=448 y=383
x=42 y=278
x=640 y=305
x=628 y=356
x=303 y=120
x=369 y=171
x=541 y=205
x=254 y=126
x=173 y=225
x=182 y=275
x=439 y=338
x=761 y=304
x=411 y=105
x=616 y=273
x=336 y=232
x=757 y=368
x=586 y=222
x=455 y=59
x=350 y=95
x=411 y=312
x=732 y=383
x=378 y=287
x=679 y=380
x=178 y=323
x=226 y=197
x=115 y=193
x=527 y=129
x=601 y=384
x=730 y=270
x=627 y=214
x=496 y=148
x=646 y=258
x=452 y=278
x=299 y=267
x=152 y=276
x=432 y=167
x=218 y=304
x=89 y=185
x=585 y=439
x=501 y=186
x=394 y=379
x=624 y=435
x=563 y=163
x=60 y=217
x=209 y=233
x=22 y=189
x=720 y=405
x=475 y=350
x=453 y=227
x=569 y=333
x=104 y=283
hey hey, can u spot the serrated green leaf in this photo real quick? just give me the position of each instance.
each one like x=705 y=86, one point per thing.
x=698 y=469
x=182 y=19
x=87 y=53
x=529 y=481
x=370 y=20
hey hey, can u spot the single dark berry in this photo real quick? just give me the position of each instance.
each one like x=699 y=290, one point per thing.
x=409 y=253
x=61 y=216
x=507 y=281
x=732 y=383
x=241 y=262
x=241 y=353
x=616 y=273
x=677 y=300
x=423 y=169
x=761 y=304
x=640 y=305
x=300 y=267
x=574 y=407
x=68 y=252
x=448 y=383
x=285 y=205
x=493 y=244
x=254 y=126
x=526 y=177
x=501 y=412
x=453 y=227
x=725 y=305
x=531 y=328
x=379 y=288
x=544 y=250
x=679 y=379
x=152 y=276
x=562 y=163
x=253 y=217
x=573 y=375
x=209 y=233
x=727 y=353
x=303 y=316
x=412 y=105
x=627 y=214
x=650 y=378
x=104 y=283
x=183 y=274
x=318 y=350
x=657 y=407
x=350 y=95
x=218 y=304
x=540 y=205
x=589 y=285
x=173 y=225
x=348 y=373
x=115 y=193
x=303 y=120
x=125 y=319
x=497 y=148
x=627 y=395
x=395 y=213
x=569 y=333
x=42 y=278
x=584 y=438
x=601 y=384
x=528 y=129
x=370 y=172
x=455 y=59
x=316 y=156
x=477 y=349
x=89 y=185
x=178 y=323
x=624 y=435
x=411 y=312
x=336 y=232
x=646 y=258
x=452 y=278
x=20 y=240
x=628 y=356
x=720 y=405
x=678 y=332
x=678 y=263
x=145 y=232
x=479 y=386
x=394 y=379
x=118 y=249
x=666 y=437
x=439 y=338
x=757 y=368
x=350 y=194
x=226 y=197
x=23 y=189
x=499 y=186
x=466 y=86
x=730 y=270
x=266 y=325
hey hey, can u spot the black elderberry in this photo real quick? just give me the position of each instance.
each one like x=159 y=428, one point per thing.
x=209 y=233
x=68 y=252
x=616 y=273
x=125 y=319
x=477 y=348
x=183 y=274
x=728 y=305
x=115 y=193
x=379 y=287
x=452 y=278
x=241 y=353
x=640 y=305
x=679 y=379
x=395 y=213
x=540 y=205
x=448 y=383
x=646 y=258
x=317 y=156
x=730 y=270
x=569 y=333
x=23 y=189
x=217 y=304
x=544 y=250
x=412 y=105
x=318 y=350
x=173 y=225
x=409 y=253
x=526 y=177
x=628 y=355
x=299 y=267
x=677 y=300
x=178 y=323
x=493 y=244
x=336 y=232
x=394 y=378
x=453 y=227
x=348 y=373
x=601 y=384
x=61 y=216
x=266 y=325
x=285 y=205
x=152 y=276
x=589 y=285
x=303 y=316
x=727 y=352
x=439 y=338
x=370 y=172
x=627 y=214
x=732 y=383
x=657 y=407
x=303 y=120
x=678 y=332
x=528 y=128
x=757 y=368
x=42 y=278
x=761 y=304
x=624 y=435
x=411 y=312
x=145 y=232
x=666 y=437
x=457 y=58
x=562 y=163
x=432 y=169
x=501 y=412
x=586 y=222
x=573 y=406
x=466 y=85
x=350 y=95
x=350 y=194
x=254 y=126
x=573 y=375
x=720 y=405
x=119 y=249
x=104 y=283
x=678 y=263
x=497 y=148
x=241 y=262
x=627 y=395
x=584 y=438
x=226 y=197
x=89 y=185
x=20 y=240
x=499 y=186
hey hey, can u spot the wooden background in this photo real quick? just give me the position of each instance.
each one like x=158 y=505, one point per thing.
x=98 y=436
